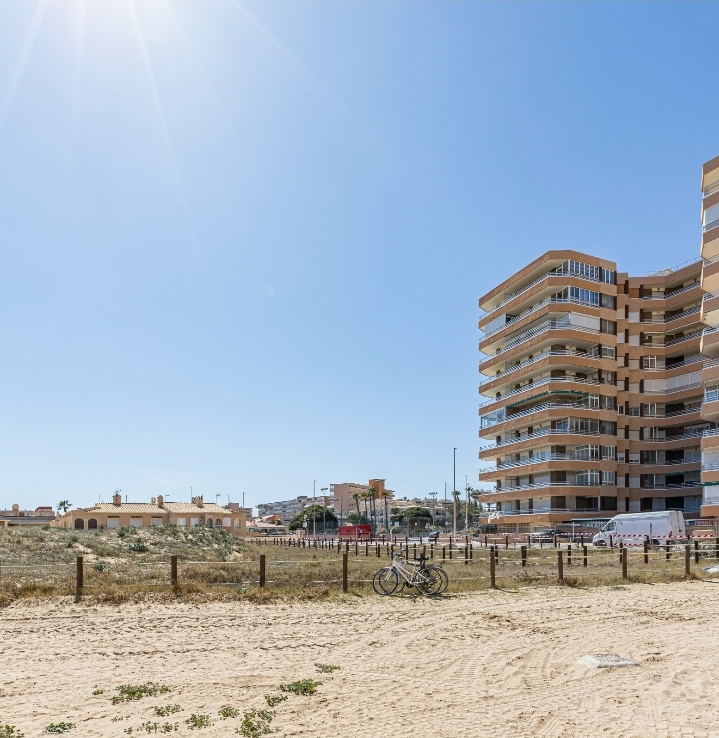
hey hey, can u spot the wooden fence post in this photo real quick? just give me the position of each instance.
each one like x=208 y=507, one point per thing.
x=668 y=553
x=496 y=553
x=173 y=570
x=624 y=563
x=443 y=552
x=262 y=570
x=560 y=565
x=492 y=568
x=524 y=556
x=687 y=560
x=621 y=548
x=716 y=548
x=569 y=554
x=344 y=573
x=696 y=551
x=584 y=555
x=78 y=579
x=466 y=555
x=506 y=541
x=646 y=550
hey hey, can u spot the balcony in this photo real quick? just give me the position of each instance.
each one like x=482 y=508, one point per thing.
x=553 y=273
x=710 y=274
x=534 y=309
x=608 y=352
x=543 y=458
x=500 y=416
x=675 y=318
x=540 y=433
x=709 y=345
x=545 y=382
x=672 y=293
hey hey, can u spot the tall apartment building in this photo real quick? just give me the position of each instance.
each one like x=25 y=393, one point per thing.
x=592 y=391
x=710 y=339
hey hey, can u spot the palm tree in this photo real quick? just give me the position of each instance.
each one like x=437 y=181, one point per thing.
x=64 y=505
x=365 y=497
x=385 y=495
x=371 y=492
x=355 y=497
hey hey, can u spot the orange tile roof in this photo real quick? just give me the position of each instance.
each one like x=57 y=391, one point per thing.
x=146 y=508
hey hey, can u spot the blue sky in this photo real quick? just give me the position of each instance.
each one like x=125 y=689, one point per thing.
x=242 y=243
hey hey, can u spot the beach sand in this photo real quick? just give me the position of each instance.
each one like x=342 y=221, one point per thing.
x=491 y=663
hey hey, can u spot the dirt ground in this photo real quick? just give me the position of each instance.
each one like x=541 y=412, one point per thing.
x=501 y=663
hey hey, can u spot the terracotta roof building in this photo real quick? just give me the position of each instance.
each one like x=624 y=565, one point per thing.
x=117 y=514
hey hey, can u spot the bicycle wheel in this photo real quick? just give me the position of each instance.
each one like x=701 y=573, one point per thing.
x=429 y=581
x=442 y=574
x=385 y=581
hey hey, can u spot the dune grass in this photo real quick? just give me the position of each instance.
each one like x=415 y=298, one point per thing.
x=131 y=564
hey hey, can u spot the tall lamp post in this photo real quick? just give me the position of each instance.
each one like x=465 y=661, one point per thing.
x=324 y=511
x=454 y=492
x=314 y=511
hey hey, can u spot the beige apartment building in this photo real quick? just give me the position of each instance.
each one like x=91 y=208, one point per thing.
x=710 y=337
x=596 y=396
x=118 y=514
x=343 y=501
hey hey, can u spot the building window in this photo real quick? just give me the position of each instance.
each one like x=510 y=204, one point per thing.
x=609 y=477
x=605 y=275
x=113 y=522
x=237 y=522
x=607 y=326
x=649 y=362
x=181 y=521
x=226 y=522
x=136 y=522
x=157 y=521
x=608 y=352
x=609 y=452
x=194 y=521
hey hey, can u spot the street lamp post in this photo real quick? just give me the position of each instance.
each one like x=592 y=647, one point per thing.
x=314 y=511
x=454 y=493
x=324 y=511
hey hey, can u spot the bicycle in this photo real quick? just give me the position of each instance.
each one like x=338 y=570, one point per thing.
x=427 y=579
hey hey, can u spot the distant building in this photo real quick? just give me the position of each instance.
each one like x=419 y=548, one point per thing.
x=344 y=504
x=39 y=516
x=117 y=514
x=287 y=509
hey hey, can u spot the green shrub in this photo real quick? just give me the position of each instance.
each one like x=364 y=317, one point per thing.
x=198 y=721
x=10 y=731
x=138 y=546
x=275 y=699
x=326 y=668
x=59 y=727
x=164 y=711
x=303 y=686
x=130 y=692
x=227 y=711
x=255 y=723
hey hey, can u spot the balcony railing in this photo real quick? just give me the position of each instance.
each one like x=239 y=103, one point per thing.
x=678 y=316
x=541 y=458
x=670 y=270
x=682 y=388
x=540 y=433
x=544 y=485
x=711 y=226
x=591 y=354
x=683 y=485
x=553 y=273
x=537 y=385
x=711 y=189
x=489 y=423
x=710 y=467
x=680 y=339
x=672 y=293
x=549 y=325
x=539 y=306
x=673 y=413
x=678 y=437
x=552 y=511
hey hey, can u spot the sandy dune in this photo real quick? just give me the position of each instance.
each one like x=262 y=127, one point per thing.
x=495 y=663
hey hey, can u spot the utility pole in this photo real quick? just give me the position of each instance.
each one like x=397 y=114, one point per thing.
x=445 y=507
x=454 y=492
x=314 y=511
x=433 y=495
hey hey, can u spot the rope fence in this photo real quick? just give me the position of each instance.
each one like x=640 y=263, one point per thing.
x=481 y=561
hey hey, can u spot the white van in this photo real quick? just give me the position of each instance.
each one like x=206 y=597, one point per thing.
x=634 y=528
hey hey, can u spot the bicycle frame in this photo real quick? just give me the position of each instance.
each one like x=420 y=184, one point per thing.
x=408 y=575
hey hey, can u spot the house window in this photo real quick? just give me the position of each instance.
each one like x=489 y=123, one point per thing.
x=157 y=521
x=136 y=522
x=113 y=522
x=181 y=521
x=237 y=522
x=609 y=477
x=194 y=521
x=226 y=522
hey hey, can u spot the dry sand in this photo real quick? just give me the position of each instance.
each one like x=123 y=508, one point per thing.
x=492 y=663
